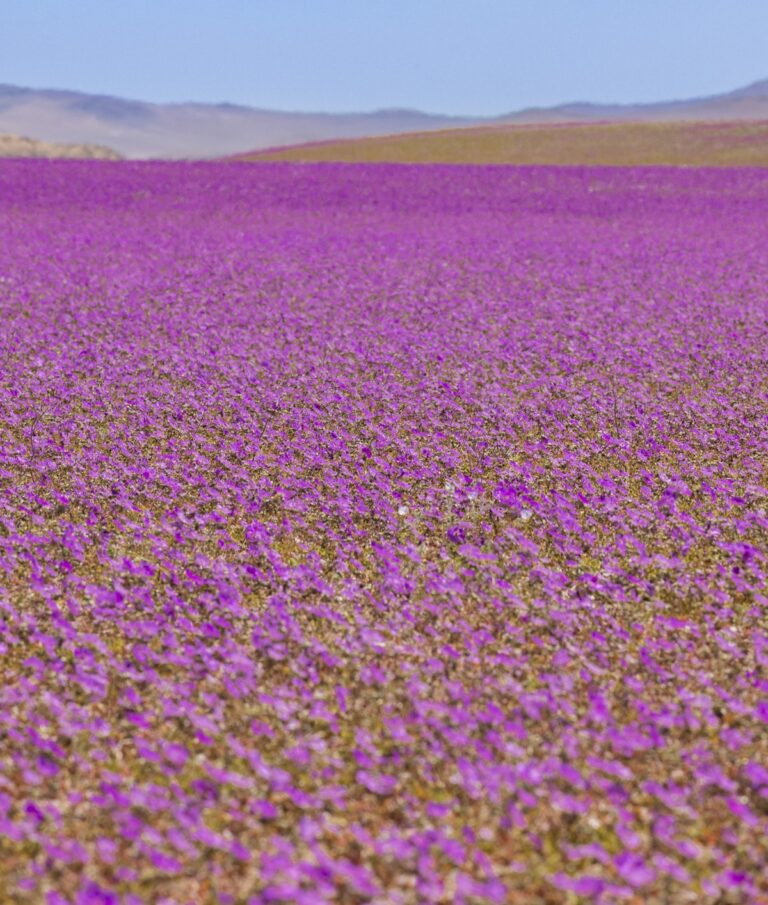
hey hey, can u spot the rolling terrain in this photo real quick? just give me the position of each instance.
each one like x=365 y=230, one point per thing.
x=21 y=146
x=138 y=129
x=678 y=143
x=144 y=130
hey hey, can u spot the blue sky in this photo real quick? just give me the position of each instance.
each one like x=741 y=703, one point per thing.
x=448 y=56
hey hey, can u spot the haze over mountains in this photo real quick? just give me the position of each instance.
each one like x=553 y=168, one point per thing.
x=138 y=129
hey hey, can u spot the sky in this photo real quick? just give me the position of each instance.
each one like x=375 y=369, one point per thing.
x=473 y=57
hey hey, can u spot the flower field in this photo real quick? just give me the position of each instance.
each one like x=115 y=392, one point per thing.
x=383 y=534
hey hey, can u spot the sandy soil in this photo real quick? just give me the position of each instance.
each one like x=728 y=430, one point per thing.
x=20 y=146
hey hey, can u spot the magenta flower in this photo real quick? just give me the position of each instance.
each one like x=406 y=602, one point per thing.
x=382 y=533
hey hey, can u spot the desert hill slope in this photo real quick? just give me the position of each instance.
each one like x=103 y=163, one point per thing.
x=677 y=143
x=21 y=146
x=138 y=129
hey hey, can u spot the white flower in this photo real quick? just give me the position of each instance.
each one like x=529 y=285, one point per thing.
x=525 y=514
x=403 y=510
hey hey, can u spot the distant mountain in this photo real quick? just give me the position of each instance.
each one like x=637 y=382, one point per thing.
x=138 y=129
x=747 y=103
x=21 y=146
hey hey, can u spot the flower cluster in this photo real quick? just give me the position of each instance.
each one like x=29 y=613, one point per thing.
x=382 y=534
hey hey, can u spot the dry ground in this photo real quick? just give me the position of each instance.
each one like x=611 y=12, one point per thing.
x=601 y=144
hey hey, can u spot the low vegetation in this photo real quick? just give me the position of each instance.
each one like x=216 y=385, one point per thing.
x=700 y=144
x=382 y=534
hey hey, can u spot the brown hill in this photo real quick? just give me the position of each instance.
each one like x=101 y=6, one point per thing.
x=139 y=129
x=743 y=143
x=20 y=146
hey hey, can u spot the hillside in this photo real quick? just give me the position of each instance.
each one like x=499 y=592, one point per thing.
x=605 y=144
x=747 y=103
x=21 y=146
x=139 y=129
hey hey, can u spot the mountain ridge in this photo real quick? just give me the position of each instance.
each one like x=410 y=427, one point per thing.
x=189 y=129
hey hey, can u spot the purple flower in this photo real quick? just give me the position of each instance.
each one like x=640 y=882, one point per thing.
x=633 y=869
x=416 y=515
x=377 y=783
